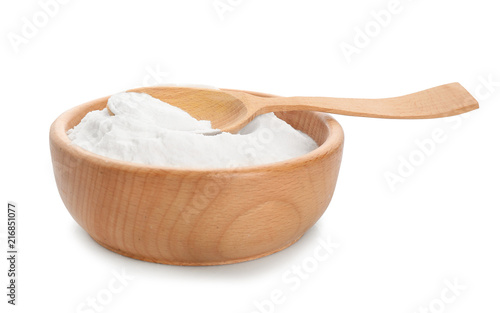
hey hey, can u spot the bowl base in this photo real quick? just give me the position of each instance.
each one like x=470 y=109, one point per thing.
x=170 y=262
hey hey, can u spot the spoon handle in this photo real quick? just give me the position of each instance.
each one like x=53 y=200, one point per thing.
x=446 y=100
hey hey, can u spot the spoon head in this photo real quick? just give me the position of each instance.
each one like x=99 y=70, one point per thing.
x=222 y=109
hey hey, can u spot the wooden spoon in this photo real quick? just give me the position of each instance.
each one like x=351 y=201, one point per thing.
x=231 y=110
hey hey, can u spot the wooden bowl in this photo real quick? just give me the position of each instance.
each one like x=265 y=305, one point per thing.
x=196 y=216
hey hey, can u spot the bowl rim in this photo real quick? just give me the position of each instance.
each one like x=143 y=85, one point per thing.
x=59 y=138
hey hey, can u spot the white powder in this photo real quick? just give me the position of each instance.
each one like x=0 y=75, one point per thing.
x=146 y=130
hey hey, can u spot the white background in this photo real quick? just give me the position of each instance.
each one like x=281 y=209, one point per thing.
x=399 y=248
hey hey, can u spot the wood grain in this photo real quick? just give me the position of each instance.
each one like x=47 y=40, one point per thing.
x=191 y=216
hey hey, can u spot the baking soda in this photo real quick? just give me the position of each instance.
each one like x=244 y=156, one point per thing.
x=146 y=130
